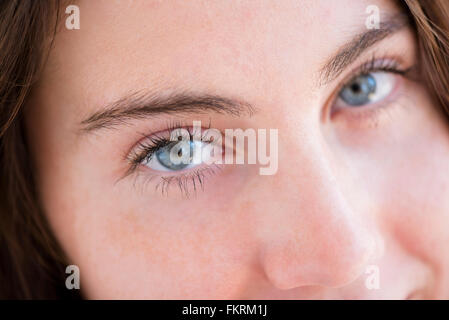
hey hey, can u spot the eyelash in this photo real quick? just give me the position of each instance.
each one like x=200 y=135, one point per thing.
x=146 y=149
x=375 y=64
x=379 y=64
x=186 y=182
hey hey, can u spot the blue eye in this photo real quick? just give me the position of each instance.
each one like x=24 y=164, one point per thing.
x=176 y=155
x=367 y=88
x=358 y=91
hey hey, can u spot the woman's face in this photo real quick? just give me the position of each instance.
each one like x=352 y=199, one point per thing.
x=359 y=186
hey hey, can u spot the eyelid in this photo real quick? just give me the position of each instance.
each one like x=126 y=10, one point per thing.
x=392 y=63
x=169 y=126
x=373 y=65
x=377 y=115
x=184 y=179
x=134 y=156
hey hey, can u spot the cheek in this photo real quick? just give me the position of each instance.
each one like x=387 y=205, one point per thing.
x=130 y=242
x=152 y=257
x=411 y=190
x=400 y=174
x=417 y=199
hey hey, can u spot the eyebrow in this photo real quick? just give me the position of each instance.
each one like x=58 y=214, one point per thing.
x=140 y=106
x=137 y=105
x=350 y=51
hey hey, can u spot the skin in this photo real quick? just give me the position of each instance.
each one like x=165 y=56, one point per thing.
x=354 y=188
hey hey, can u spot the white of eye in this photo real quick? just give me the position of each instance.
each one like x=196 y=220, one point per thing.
x=384 y=85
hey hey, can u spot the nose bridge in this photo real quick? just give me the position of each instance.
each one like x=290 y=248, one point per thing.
x=320 y=239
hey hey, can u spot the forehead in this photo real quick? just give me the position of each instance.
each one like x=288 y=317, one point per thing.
x=238 y=47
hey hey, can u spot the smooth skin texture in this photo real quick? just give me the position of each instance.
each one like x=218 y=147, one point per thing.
x=355 y=186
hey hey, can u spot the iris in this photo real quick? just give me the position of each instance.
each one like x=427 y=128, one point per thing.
x=177 y=155
x=359 y=91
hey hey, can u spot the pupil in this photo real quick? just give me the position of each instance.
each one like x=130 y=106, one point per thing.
x=356 y=88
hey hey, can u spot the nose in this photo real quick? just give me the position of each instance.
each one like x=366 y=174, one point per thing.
x=315 y=237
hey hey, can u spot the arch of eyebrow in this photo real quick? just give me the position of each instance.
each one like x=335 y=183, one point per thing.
x=139 y=105
x=350 y=51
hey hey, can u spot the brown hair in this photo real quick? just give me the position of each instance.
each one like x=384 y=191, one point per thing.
x=32 y=264
x=431 y=20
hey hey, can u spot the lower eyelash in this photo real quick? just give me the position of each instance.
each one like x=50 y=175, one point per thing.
x=372 y=117
x=188 y=183
x=369 y=116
